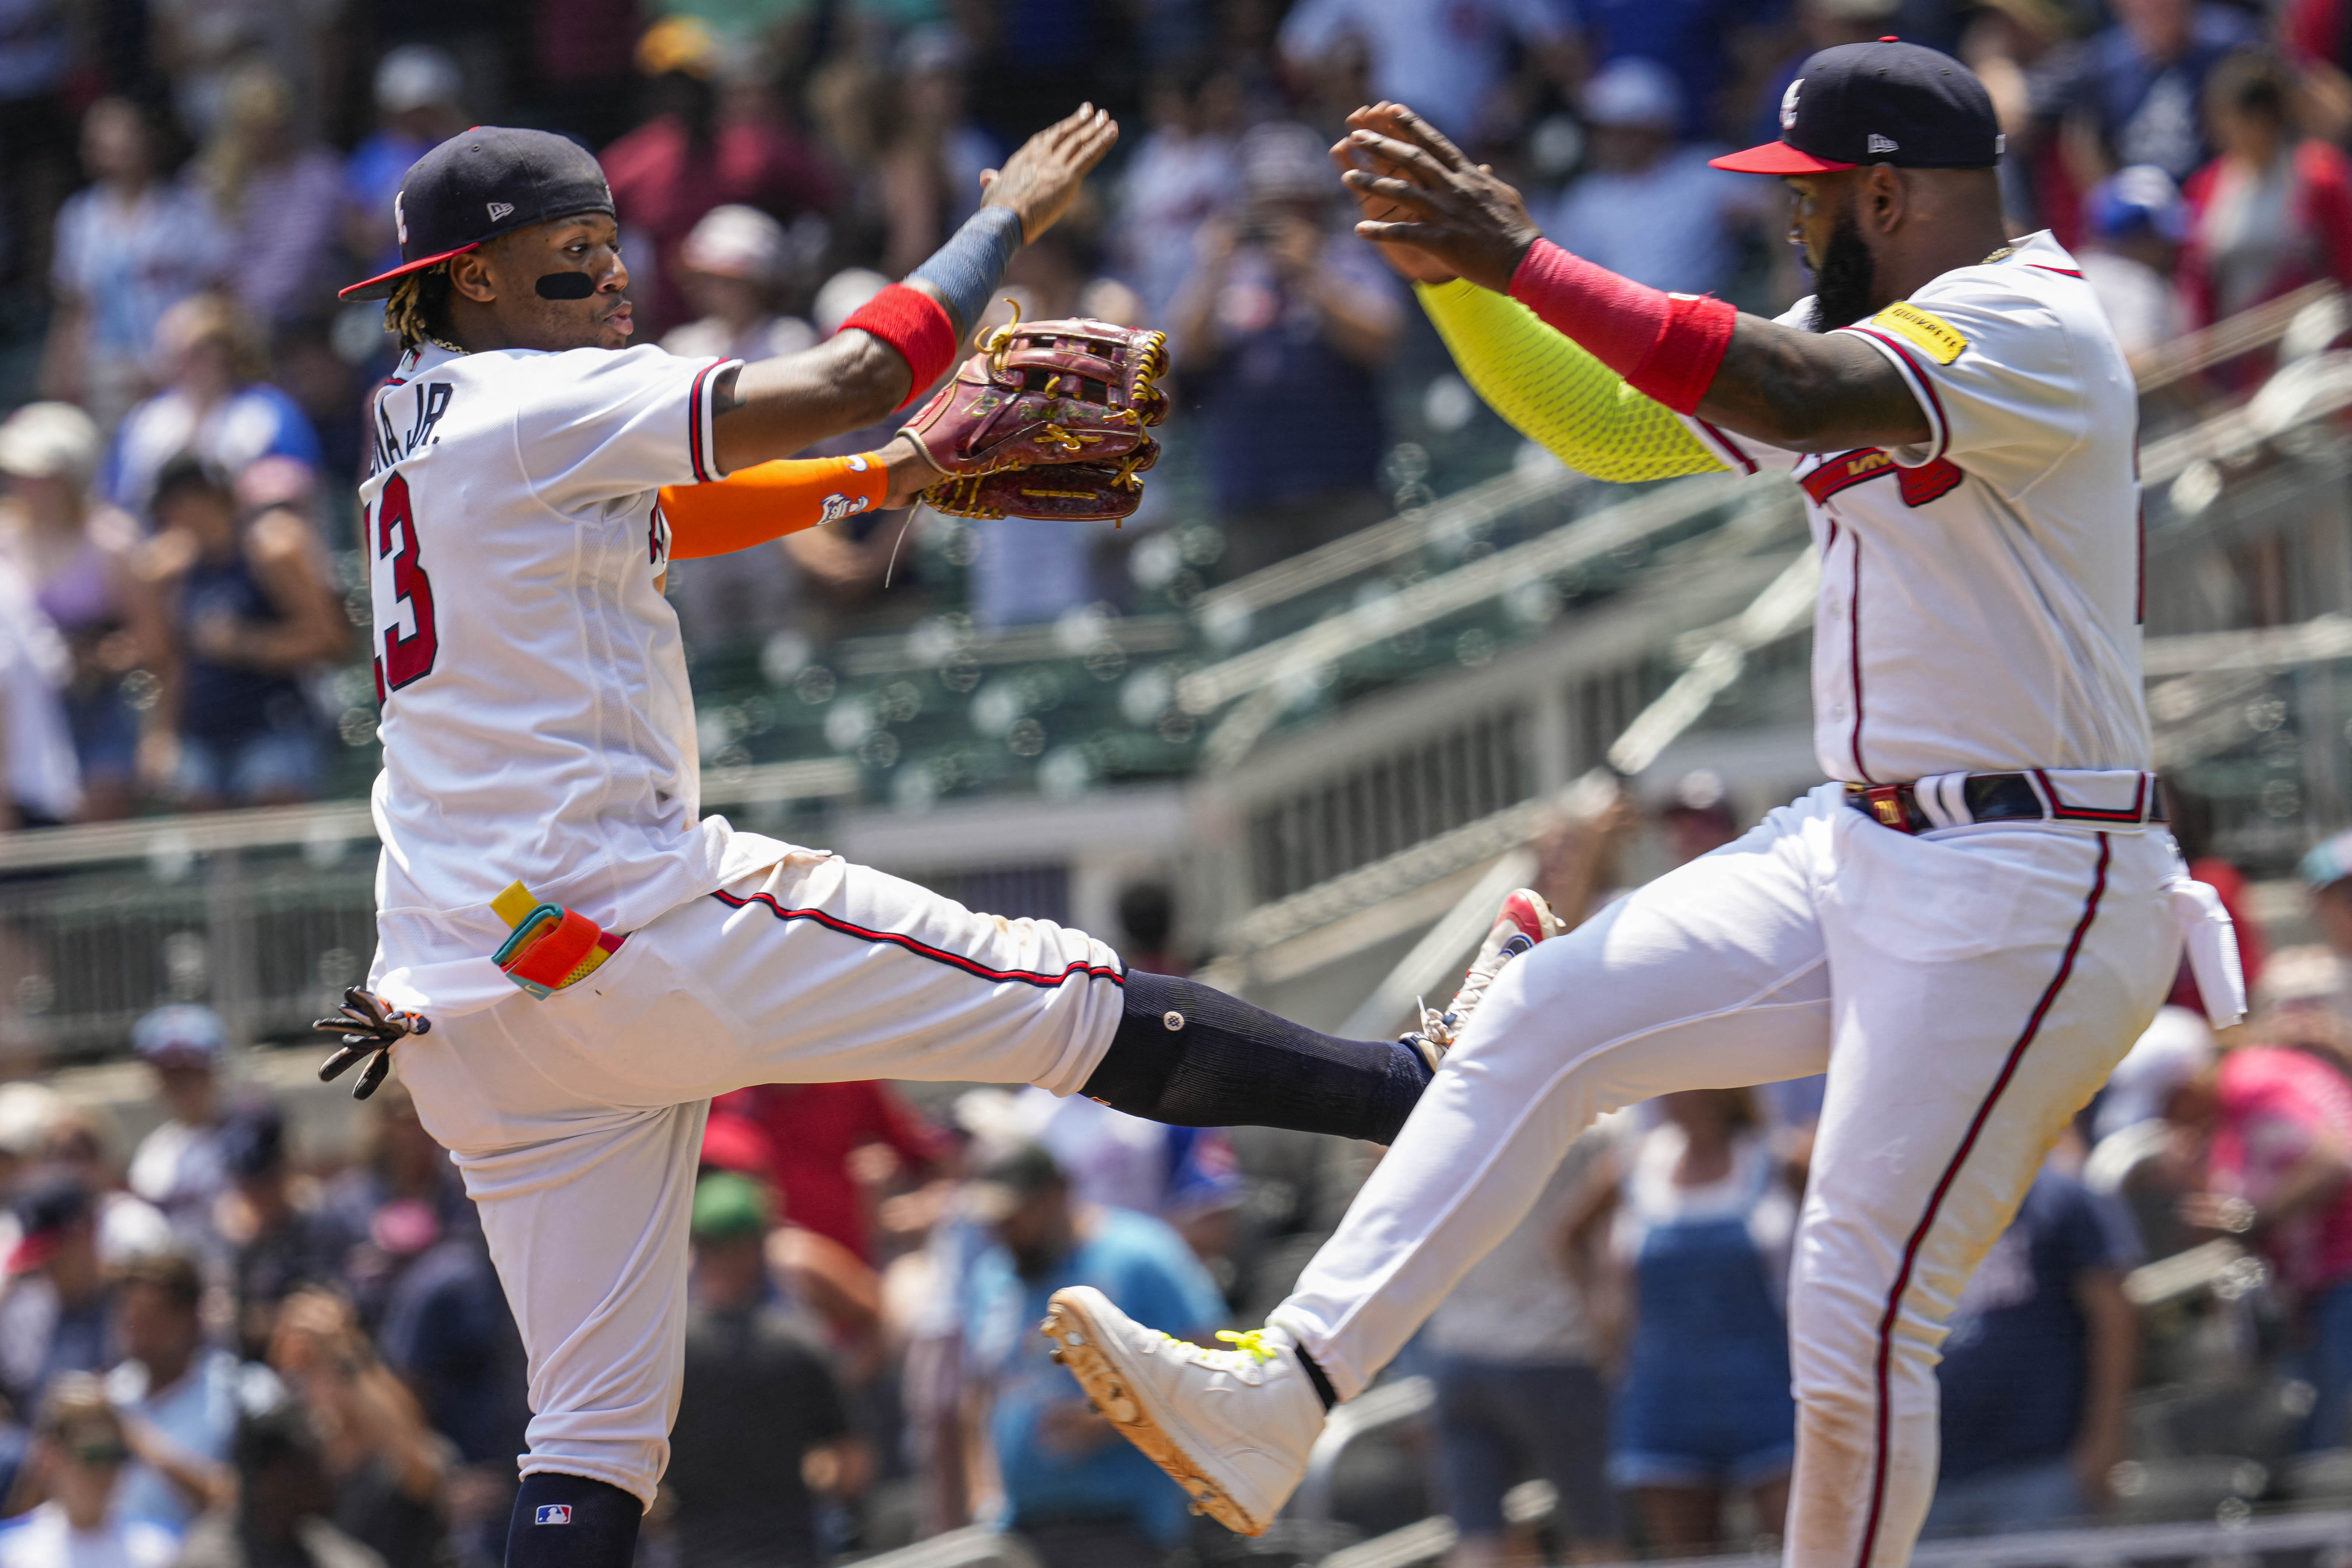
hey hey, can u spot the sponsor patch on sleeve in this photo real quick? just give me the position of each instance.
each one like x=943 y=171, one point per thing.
x=1931 y=333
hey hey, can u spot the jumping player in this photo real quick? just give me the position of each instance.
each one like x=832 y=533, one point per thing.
x=1966 y=929
x=580 y=959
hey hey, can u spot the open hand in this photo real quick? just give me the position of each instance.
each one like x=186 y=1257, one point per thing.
x=1451 y=210
x=1041 y=180
x=1410 y=262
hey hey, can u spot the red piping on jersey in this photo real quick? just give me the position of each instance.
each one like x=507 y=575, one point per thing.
x=694 y=424
x=2061 y=271
x=1936 y=1200
x=1853 y=648
x=2060 y=812
x=924 y=950
x=1727 y=444
x=1919 y=378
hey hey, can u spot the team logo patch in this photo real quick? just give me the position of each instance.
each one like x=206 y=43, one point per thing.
x=1789 y=105
x=858 y=465
x=837 y=506
x=553 y=1513
x=500 y=210
x=1930 y=332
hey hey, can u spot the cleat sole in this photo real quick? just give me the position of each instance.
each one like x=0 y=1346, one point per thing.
x=1065 y=1324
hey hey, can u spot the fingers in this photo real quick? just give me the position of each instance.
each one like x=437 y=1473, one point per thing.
x=1422 y=133
x=1414 y=234
x=1401 y=192
x=1401 y=156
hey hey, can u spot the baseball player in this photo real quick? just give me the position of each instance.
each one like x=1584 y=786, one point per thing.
x=1966 y=929
x=572 y=959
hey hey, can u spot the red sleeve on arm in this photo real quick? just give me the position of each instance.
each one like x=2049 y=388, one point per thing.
x=2327 y=185
x=1666 y=346
x=915 y=325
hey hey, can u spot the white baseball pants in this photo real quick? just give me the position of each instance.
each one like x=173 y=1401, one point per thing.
x=1967 y=992
x=578 y=1120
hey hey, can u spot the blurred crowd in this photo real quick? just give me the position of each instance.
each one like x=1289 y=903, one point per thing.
x=227 y=1341
x=182 y=185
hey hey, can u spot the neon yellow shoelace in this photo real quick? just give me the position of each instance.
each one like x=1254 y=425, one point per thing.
x=1253 y=1341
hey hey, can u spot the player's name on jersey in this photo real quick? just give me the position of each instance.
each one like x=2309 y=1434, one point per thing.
x=428 y=401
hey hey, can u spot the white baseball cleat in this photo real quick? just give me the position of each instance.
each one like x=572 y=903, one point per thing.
x=1231 y=1428
x=1524 y=920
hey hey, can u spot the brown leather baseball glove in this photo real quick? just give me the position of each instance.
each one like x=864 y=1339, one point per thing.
x=1048 y=421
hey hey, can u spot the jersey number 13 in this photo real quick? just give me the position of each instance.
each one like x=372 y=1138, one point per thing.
x=393 y=536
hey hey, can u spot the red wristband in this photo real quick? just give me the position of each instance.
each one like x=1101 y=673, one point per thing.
x=916 y=325
x=1666 y=346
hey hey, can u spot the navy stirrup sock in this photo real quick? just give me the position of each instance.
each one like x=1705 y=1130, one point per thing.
x=571 y=1521
x=1193 y=1056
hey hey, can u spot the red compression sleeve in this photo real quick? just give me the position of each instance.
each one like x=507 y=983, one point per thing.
x=915 y=325
x=1666 y=346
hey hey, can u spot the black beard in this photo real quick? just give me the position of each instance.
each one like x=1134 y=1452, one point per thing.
x=1846 y=280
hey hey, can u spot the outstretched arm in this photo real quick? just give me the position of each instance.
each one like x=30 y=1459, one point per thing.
x=1806 y=392
x=778 y=407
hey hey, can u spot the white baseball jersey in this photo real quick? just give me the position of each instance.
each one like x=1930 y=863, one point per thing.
x=537 y=721
x=1980 y=595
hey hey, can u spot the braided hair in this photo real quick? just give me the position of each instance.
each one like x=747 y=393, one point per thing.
x=418 y=309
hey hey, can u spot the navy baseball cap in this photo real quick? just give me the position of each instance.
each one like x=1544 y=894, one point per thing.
x=1887 y=102
x=474 y=187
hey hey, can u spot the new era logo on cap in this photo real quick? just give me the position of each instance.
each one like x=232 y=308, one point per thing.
x=553 y=1513
x=1883 y=143
x=502 y=209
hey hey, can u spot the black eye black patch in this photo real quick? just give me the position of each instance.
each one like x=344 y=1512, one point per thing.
x=566 y=286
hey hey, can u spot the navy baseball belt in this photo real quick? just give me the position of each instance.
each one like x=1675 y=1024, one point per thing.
x=1954 y=800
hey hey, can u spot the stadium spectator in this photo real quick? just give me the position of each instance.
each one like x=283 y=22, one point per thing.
x=716 y=135
x=249 y=612
x=40 y=780
x=80 y=1448
x=762 y=1429
x=1705 y=1215
x=285 y=1501
x=812 y=1132
x=177 y=1167
x=1521 y=1390
x=85 y=1142
x=82 y=558
x=1076 y=1494
x=419 y=97
x=385 y=1465
x=278 y=196
x=926 y=173
x=1280 y=333
x=2039 y=1368
x=130 y=247
x=1182 y=173
x=275 y=1244
x=1649 y=207
x=735 y=260
x=2136 y=87
x=57 y=1309
x=2274 y=211
x=2134 y=222
x=1447 y=59
x=399 y=1196
x=2278 y=1125
x=179 y=1397
x=216 y=406
x=447 y=1330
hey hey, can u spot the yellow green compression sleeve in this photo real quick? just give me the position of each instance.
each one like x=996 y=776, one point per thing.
x=1557 y=395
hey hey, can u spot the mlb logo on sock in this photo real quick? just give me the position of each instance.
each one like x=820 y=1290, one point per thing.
x=553 y=1513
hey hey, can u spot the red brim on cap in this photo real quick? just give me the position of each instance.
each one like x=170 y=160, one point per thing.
x=380 y=285
x=1776 y=158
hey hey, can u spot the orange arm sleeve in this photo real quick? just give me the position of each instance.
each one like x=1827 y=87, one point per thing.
x=768 y=501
